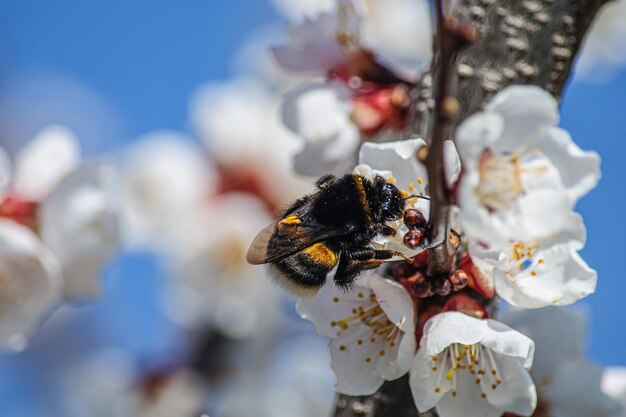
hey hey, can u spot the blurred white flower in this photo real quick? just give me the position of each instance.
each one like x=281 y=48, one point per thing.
x=78 y=222
x=43 y=162
x=603 y=52
x=399 y=31
x=466 y=363
x=373 y=331
x=522 y=174
x=164 y=177
x=314 y=44
x=541 y=272
x=239 y=123
x=294 y=381
x=319 y=113
x=98 y=384
x=213 y=284
x=614 y=385
x=321 y=31
x=567 y=385
x=30 y=283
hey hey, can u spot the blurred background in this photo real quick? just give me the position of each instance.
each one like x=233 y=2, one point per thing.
x=145 y=82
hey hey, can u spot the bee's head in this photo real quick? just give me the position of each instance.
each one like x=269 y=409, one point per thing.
x=390 y=200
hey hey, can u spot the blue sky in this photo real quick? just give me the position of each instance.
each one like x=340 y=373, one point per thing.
x=117 y=69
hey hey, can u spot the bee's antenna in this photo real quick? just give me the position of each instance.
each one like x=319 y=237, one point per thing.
x=425 y=197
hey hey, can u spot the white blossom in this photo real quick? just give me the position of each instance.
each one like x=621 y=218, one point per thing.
x=44 y=161
x=78 y=222
x=164 y=176
x=30 y=283
x=522 y=174
x=614 y=385
x=372 y=329
x=239 y=124
x=212 y=283
x=541 y=272
x=567 y=384
x=319 y=113
x=465 y=363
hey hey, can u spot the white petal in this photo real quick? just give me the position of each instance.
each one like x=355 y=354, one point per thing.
x=476 y=133
x=165 y=175
x=317 y=110
x=579 y=170
x=468 y=398
x=452 y=162
x=563 y=279
x=614 y=383
x=5 y=172
x=423 y=381
x=30 y=280
x=517 y=393
x=45 y=161
x=398 y=157
x=331 y=304
x=394 y=300
x=79 y=223
x=335 y=155
x=314 y=56
x=524 y=109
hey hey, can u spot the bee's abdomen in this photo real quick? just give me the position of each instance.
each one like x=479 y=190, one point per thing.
x=304 y=273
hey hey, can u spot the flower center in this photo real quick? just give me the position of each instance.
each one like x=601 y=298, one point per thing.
x=500 y=180
x=504 y=177
x=373 y=317
x=474 y=361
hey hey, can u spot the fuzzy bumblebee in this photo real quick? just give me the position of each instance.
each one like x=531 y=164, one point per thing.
x=329 y=229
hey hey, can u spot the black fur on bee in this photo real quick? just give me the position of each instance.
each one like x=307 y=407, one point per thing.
x=328 y=230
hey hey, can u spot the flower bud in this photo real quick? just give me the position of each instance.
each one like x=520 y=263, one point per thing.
x=421 y=286
x=413 y=238
x=458 y=279
x=413 y=217
x=442 y=285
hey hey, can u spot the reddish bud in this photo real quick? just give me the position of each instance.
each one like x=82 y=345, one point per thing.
x=423 y=315
x=466 y=304
x=458 y=279
x=413 y=218
x=442 y=286
x=413 y=238
x=477 y=279
x=421 y=286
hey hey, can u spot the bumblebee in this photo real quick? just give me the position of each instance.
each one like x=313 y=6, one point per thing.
x=329 y=229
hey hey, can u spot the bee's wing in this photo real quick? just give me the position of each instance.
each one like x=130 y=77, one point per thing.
x=257 y=252
x=287 y=240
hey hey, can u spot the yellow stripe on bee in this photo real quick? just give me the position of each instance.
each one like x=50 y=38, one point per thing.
x=291 y=220
x=362 y=196
x=322 y=254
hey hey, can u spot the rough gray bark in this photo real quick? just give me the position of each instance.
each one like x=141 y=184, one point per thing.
x=519 y=42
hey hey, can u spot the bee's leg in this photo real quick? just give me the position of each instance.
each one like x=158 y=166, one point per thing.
x=353 y=262
x=324 y=181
